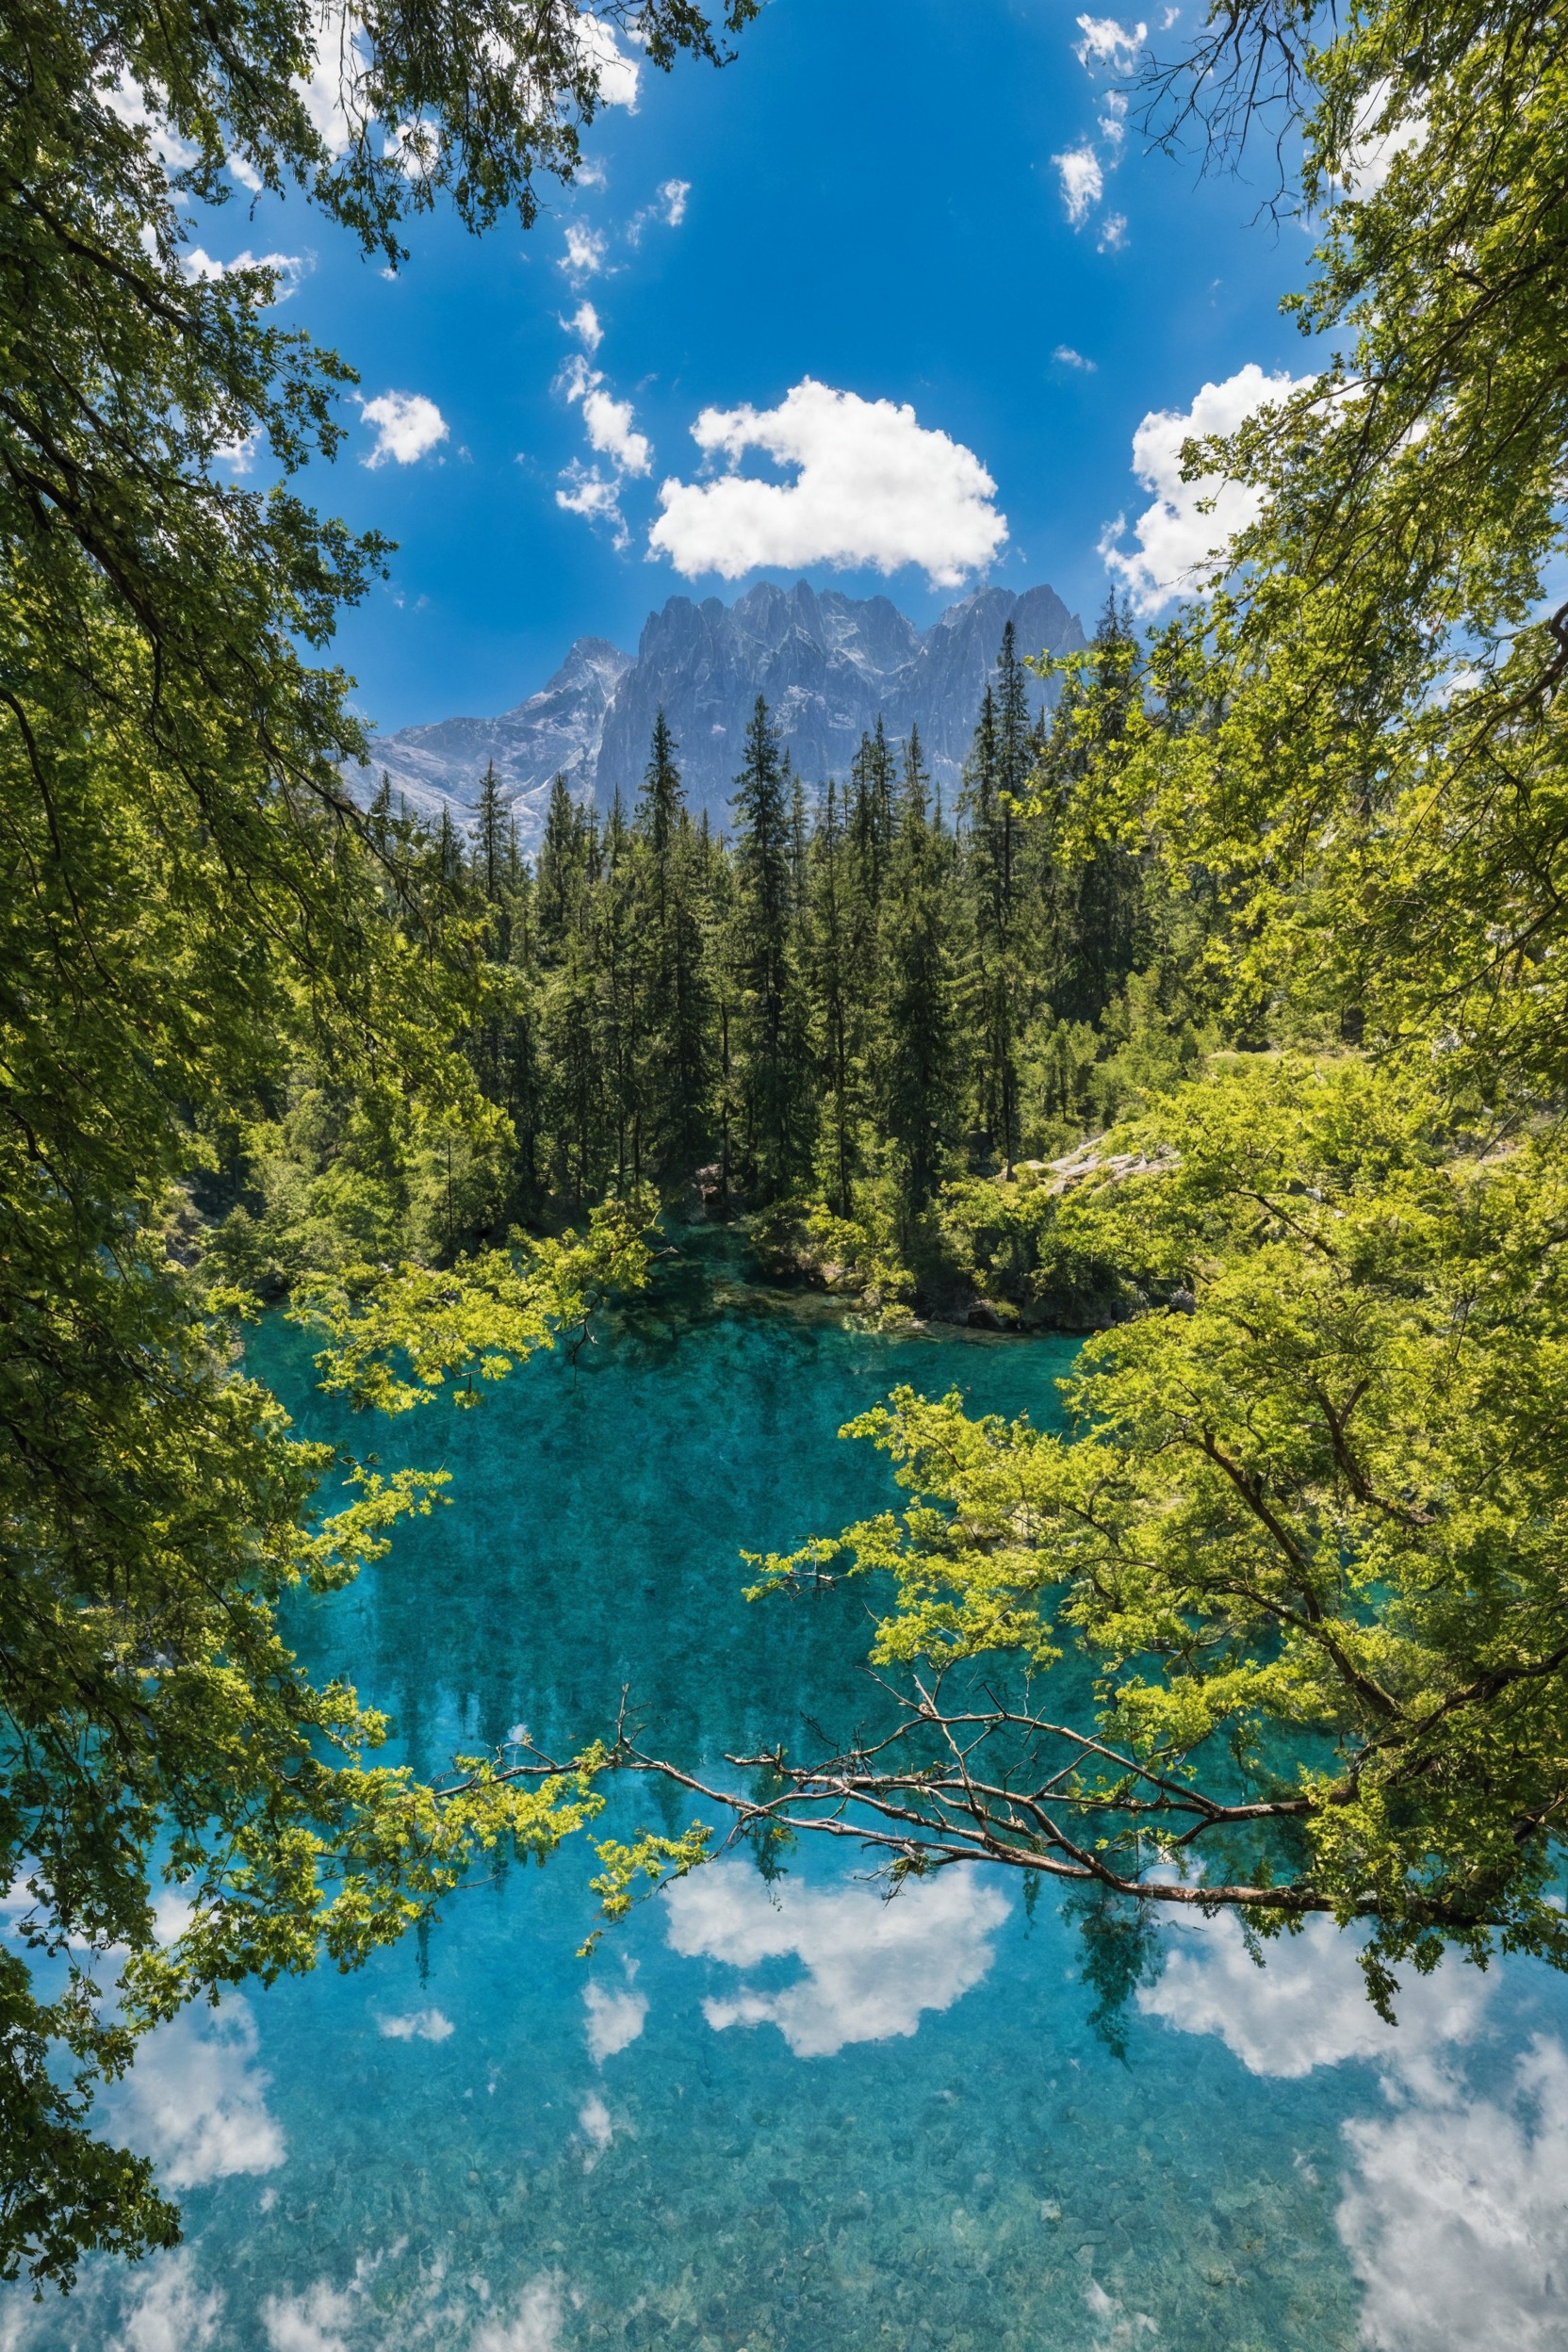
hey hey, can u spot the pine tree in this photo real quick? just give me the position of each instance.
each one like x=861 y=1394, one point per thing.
x=921 y=1092
x=672 y=888
x=828 y=979
x=773 y=1089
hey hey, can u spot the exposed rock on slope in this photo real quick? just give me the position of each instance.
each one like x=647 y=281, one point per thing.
x=829 y=664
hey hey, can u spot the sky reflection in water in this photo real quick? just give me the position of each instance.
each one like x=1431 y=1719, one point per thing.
x=790 y=2116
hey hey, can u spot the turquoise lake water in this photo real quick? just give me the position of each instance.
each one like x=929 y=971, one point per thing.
x=791 y=2117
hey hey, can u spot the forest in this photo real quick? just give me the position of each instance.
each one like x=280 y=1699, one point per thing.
x=854 y=1024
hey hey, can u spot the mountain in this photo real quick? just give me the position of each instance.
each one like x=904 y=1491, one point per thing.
x=828 y=664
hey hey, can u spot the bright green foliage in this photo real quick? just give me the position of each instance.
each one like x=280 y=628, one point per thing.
x=1310 y=1529
x=220 y=985
x=1299 y=1568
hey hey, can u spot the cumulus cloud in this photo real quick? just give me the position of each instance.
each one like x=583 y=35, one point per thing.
x=618 y=74
x=312 y=2322
x=196 y=2100
x=873 y=486
x=1189 y=524
x=201 y=269
x=1455 y=2219
x=585 y=324
x=327 y=92
x=606 y=420
x=1113 y=233
x=872 y=1967
x=1066 y=356
x=593 y=2122
x=1452 y=2210
x=1105 y=43
x=418 y=2025
x=615 y=2018
x=407 y=427
x=584 y=256
x=139 y=110
x=1373 y=144
x=1082 y=182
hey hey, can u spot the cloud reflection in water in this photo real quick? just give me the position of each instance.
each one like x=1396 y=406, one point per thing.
x=1455 y=2212
x=872 y=1965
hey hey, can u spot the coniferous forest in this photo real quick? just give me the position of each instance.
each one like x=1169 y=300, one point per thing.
x=820 y=1024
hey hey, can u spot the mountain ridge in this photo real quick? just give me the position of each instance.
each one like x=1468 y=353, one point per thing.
x=828 y=664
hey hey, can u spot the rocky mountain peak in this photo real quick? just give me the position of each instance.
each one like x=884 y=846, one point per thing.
x=828 y=664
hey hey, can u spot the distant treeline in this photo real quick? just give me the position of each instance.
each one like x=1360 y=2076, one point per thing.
x=851 y=1001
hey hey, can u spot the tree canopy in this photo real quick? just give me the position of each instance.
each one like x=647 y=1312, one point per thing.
x=197 y=921
x=1284 y=1612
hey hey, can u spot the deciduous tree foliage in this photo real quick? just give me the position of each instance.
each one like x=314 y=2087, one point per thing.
x=1288 y=1608
x=197 y=932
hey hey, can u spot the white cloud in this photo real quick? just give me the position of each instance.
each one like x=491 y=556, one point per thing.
x=1113 y=234
x=169 y=2313
x=598 y=500
x=872 y=1965
x=1457 y=2221
x=327 y=94
x=618 y=74
x=1371 y=150
x=669 y=207
x=585 y=324
x=196 y=2101
x=1307 y=2006
x=419 y=2025
x=139 y=111
x=415 y=147
x=534 y=2327
x=407 y=427
x=1113 y=122
x=874 y=487
x=312 y=2322
x=1109 y=43
x=585 y=253
x=1190 y=523
x=1067 y=357
x=1082 y=182
x=606 y=420
x=614 y=2019
x=201 y=269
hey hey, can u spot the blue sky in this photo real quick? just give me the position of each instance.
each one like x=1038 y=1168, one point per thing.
x=871 y=197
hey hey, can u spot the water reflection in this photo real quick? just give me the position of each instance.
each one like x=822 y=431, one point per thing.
x=1305 y=2004
x=873 y=1963
x=1456 y=2214
x=1454 y=2204
x=196 y=2099
x=482 y=2143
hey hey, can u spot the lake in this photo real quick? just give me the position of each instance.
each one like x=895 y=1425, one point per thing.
x=785 y=2115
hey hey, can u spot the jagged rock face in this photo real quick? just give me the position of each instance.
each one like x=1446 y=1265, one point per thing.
x=555 y=732
x=827 y=667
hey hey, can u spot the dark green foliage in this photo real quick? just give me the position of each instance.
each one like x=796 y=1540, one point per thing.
x=844 y=1002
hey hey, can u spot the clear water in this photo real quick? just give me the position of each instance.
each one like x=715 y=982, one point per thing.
x=792 y=2119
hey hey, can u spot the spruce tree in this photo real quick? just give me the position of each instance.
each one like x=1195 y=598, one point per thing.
x=921 y=1094
x=773 y=1089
